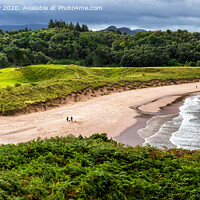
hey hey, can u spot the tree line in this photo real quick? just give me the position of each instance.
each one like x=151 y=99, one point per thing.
x=70 y=26
x=63 y=43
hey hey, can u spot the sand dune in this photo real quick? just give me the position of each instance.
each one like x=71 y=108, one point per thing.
x=111 y=114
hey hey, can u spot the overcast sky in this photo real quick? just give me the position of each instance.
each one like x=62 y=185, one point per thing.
x=147 y=14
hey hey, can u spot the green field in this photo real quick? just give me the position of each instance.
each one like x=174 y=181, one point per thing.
x=34 y=85
x=96 y=168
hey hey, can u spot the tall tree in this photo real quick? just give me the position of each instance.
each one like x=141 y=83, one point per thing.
x=84 y=28
x=51 y=24
x=71 y=26
x=26 y=29
x=77 y=27
x=3 y=60
x=118 y=32
x=18 y=57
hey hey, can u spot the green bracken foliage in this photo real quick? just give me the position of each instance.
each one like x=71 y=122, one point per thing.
x=96 y=168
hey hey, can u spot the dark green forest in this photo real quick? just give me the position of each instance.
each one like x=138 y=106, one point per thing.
x=63 y=43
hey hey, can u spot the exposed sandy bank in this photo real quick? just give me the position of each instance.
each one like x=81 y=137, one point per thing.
x=111 y=114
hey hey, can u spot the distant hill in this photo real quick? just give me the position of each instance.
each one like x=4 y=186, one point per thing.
x=19 y=27
x=125 y=30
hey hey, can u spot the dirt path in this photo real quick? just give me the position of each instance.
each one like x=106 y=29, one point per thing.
x=110 y=114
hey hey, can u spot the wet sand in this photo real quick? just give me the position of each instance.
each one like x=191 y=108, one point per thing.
x=111 y=114
x=169 y=106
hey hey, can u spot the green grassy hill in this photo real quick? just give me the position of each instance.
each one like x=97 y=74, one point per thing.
x=96 y=168
x=34 y=85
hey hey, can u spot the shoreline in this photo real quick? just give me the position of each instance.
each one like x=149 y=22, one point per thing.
x=111 y=114
x=169 y=107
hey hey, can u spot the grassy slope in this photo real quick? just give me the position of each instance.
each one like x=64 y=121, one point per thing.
x=96 y=168
x=41 y=83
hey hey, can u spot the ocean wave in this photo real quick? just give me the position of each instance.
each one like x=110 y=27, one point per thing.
x=188 y=134
x=159 y=130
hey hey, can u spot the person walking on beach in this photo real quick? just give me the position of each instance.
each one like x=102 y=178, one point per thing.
x=71 y=119
x=67 y=119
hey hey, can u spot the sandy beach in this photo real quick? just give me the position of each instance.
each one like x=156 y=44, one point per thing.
x=111 y=114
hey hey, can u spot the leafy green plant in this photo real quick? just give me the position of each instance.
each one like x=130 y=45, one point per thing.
x=8 y=88
x=17 y=84
x=96 y=168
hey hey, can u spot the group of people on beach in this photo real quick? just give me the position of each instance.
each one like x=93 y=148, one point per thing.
x=69 y=119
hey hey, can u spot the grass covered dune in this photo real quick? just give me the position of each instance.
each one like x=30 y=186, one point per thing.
x=96 y=168
x=26 y=88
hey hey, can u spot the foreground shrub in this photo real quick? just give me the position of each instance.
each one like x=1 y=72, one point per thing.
x=96 y=168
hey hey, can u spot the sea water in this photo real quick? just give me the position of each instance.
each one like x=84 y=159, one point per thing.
x=181 y=131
